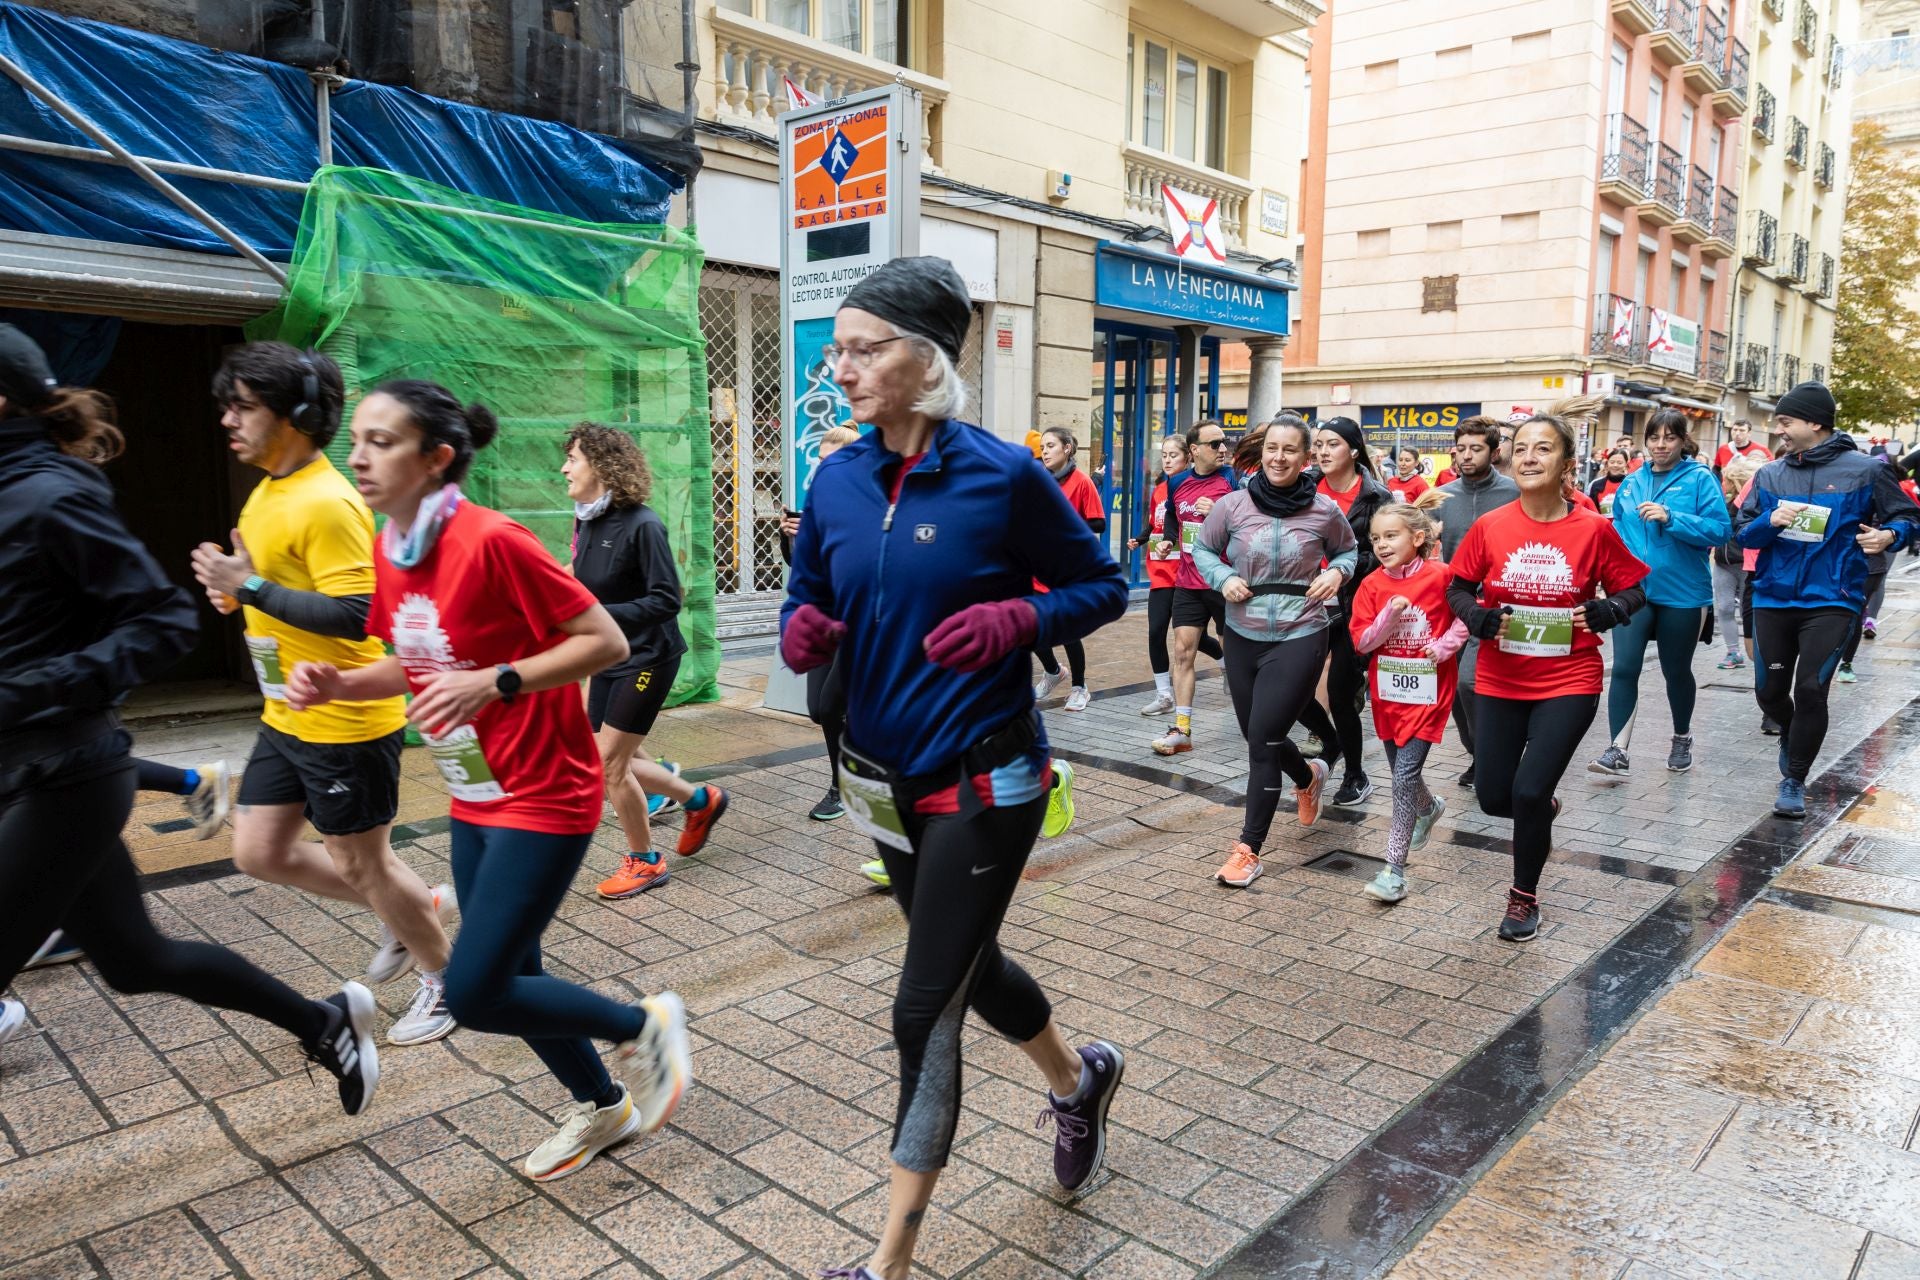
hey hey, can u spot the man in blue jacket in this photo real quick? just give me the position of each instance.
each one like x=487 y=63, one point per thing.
x=1815 y=515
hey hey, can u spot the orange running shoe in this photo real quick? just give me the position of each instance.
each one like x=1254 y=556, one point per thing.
x=636 y=875
x=1308 y=797
x=1242 y=868
x=698 y=823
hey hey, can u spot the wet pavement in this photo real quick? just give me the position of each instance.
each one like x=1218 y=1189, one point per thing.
x=1705 y=1063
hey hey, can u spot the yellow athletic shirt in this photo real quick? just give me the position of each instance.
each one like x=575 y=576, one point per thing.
x=310 y=531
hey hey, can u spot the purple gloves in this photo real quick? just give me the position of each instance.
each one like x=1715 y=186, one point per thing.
x=810 y=639
x=980 y=635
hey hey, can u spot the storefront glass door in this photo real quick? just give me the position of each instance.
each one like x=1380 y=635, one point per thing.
x=1140 y=395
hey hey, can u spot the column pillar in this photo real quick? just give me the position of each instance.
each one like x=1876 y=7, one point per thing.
x=1186 y=409
x=1263 y=379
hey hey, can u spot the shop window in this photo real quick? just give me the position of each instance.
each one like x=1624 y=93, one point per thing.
x=1177 y=101
x=876 y=28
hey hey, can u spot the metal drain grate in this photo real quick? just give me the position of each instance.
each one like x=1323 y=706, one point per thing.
x=170 y=826
x=1878 y=855
x=1345 y=862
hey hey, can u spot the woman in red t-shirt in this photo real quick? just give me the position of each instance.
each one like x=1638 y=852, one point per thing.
x=492 y=638
x=1161 y=571
x=1057 y=447
x=1527 y=579
x=1406 y=482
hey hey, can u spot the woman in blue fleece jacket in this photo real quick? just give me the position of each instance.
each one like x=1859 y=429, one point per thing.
x=1670 y=513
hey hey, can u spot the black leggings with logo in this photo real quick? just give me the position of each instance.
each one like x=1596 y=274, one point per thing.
x=1272 y=683
x=1525 y=748
x=1795 y=653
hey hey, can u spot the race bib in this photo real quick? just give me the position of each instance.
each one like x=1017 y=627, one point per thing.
x=1538 y=633
x=1413 y=682
x=1606 y=505
x=874 y=810
x=458 y=756
x=1189 y=534
x=1809 y=524
x=265 y=652
x=1173 y=552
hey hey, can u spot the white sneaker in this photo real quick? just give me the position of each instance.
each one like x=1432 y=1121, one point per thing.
x=1046 y=685
x=13 y=1016
x=1162 y=704
x=1078 y=699
x=426 y=1019
x=657 y=1068
x=392 y=960
x=585 y=1133
x=210 y=802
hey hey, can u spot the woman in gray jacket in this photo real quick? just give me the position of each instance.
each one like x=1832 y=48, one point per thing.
x=1263 y=547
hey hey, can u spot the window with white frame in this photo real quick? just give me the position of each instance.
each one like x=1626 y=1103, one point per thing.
x=877 y=28
x=1177 y=101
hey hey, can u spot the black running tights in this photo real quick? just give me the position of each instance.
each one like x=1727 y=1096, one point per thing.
x=1346 y=683
x=1076 y=662
x=1159 y=619
x=954 y=888
x=1525 y=748
x=63 y=866
x=151 y=775
x=1795 y=653
x=1272 y=684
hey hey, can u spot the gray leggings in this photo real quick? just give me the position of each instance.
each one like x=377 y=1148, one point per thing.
x=1411 y=799
x=1727 y=581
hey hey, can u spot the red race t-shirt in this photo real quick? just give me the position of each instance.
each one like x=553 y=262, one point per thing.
x=1342 y=500
x=1401 y=715
x=1607 y=490
x=1579 y=499
x=1446 y=478
x=1410 y=489
x=489 y=593
x=1214 y=485
x=1752 y=449
x=1548 y=566
x=1084 y=498
x=1160 y=573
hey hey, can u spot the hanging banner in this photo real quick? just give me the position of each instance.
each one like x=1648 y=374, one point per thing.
x=1194 y=223
x=1673 y=342
x=1622 y=335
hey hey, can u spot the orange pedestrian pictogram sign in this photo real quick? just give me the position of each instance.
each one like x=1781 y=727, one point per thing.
x=839 y=168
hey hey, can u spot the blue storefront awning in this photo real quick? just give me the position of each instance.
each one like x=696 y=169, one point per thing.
x=1164 y=288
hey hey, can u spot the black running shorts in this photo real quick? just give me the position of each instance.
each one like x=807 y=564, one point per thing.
x=1197 y=608
x=346 y=787
x=630 y=700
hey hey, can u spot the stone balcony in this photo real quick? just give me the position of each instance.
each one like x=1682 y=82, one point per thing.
x=1147 y=170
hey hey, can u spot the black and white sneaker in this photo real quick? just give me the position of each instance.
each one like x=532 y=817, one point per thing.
x=13 y=1016
x=1354 y=789
x=829 y=808
x=346 y=1049
x=1522 y=920
x=1612 y=762
x=55 y=950
x=1680 y=755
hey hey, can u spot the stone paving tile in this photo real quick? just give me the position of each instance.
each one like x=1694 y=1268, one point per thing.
x=164 y=1247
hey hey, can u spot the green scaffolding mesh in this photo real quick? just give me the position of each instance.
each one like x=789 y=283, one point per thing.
x=546 y=320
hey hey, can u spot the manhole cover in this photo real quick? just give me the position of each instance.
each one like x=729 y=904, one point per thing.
x=1877 y=854
x=1345 y=862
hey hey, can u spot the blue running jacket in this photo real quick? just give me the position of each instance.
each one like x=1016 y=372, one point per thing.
x=1830 y=572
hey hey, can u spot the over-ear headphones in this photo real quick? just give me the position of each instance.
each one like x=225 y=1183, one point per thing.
x=308 y=417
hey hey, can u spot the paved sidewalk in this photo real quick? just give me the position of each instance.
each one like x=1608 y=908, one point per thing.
x=1273 y=1035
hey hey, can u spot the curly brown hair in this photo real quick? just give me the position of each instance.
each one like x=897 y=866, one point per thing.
x=616 y=459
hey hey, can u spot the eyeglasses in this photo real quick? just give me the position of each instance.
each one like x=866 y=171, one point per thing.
x=861 y=355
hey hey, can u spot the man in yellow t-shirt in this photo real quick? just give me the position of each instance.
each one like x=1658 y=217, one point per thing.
x=301 y=569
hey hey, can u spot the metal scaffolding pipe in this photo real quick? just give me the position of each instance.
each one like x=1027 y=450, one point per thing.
x=65 y=151
x=25 y=80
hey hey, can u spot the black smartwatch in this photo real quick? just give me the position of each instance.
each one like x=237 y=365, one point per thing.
x=507 y=682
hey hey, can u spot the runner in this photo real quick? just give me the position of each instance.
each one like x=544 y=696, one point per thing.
x=1671 y=515
x=1347 y=477
x=1479 y=489
x=1278 y=551
x=1729 y=567
x=945 y=761
x=491 y=636
x=1407 y=482
x=1163 y=563
x=1608 y=482
x=1526 y=578
x=85 y=616
x=621 y=555
x=301 y=568
x=1190 y=496
x=1866 y=626
x=1057 y=447
x=1815 y=516
x=1740 y=444
x=1401 y=619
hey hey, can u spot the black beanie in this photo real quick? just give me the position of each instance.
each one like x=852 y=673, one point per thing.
x=1347 y=429
x=25 y=377
x=922 y=296
x=1809 y=402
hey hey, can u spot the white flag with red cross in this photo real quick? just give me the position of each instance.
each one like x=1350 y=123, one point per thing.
x=798 y=97
x=1194 y=222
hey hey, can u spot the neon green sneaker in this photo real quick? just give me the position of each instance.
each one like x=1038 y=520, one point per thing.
x=876 y=871
x=1059 y=801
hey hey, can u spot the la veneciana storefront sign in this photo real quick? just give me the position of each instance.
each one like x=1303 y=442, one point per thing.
x=1153 y=284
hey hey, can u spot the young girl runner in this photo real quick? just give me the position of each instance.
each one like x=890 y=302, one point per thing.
x=1401 y=619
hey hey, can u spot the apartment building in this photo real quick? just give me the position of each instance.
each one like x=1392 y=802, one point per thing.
x=1079 y=321
x=1509 y=204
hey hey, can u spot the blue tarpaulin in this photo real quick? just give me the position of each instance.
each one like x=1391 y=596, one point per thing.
x=168 y=99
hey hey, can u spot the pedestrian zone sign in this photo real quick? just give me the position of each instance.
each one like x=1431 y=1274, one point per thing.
x=840 y=156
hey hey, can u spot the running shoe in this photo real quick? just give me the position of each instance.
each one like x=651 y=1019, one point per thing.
x=1313 y=746
x=847 y=1273
x=657 y=1067
x=346 y=1048
x=1845 y=674
x=210 y=802
x=635 y=876
x=1791 y=800
x=1423 y=822
x=1612 y=762
x=1354 y=789
x=659 y=806
x=1059 y=802
x=585 y=1133
x=1077 y=698
x=1307 y=798
x=55 y=950
x=392 y=961
x=876 y=871
x=1869 y=629
x=1389 y=886
x=426 y=1019
x=1733 y=662
x=1680 y=754
x=671 y=766
x=699 y=824
x=13 y=1016
x=1173 y=742
x=1522 y=920
x=1769 y=726
x=1466 y=776
x=1241 y=868
x=1048 y=684
x=829 y=808
x=1162 y=703
x=1080 y=1122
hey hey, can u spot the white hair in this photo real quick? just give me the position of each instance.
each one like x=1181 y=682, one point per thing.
x=947 y=397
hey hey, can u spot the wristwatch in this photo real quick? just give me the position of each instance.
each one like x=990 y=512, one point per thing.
x=250 y=588
x=507 y=682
